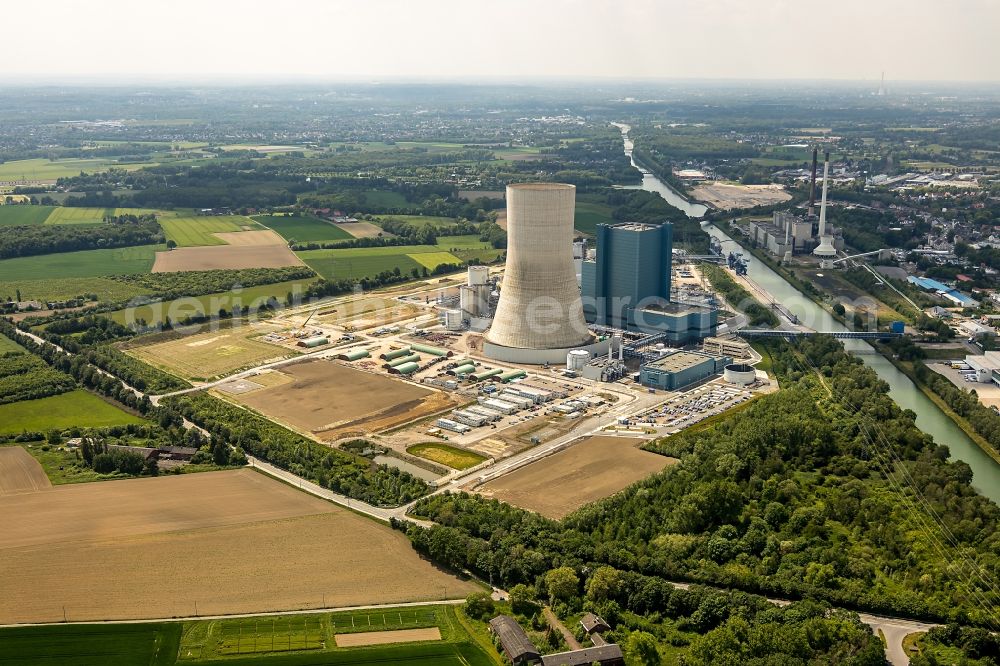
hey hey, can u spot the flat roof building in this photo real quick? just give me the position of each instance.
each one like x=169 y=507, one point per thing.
x=677 y=370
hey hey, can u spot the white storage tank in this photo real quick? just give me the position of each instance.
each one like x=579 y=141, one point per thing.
x=467 y=300
x=453 y=320
x=576 y=359
x=478 y=275
x=740 y=374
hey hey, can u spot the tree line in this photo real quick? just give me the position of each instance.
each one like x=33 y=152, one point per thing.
x=123 y=231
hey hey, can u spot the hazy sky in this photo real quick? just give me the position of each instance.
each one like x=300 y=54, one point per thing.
x=371 y=39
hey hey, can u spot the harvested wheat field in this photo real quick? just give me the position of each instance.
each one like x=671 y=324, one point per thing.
x=228 y=542
x=593 y=469
x=210 y=354
x=20 y=472
x=363 y=229
x=250 y=238
x=329 y=399
x=217 y=257
x=387 y=637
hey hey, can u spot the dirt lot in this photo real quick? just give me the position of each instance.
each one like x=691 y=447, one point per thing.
x=216 y=257
x=387 y=637
x=362 y=313
x=20 y=472
x=251 y=238
x=727 y=197
x=331 y=399
x=588 y=471
x=210 y=354
x=362 y=229
x=230 y=542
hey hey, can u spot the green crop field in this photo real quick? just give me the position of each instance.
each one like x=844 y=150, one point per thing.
x=370 y=261
x=13 y=216
x=91 y=645
x=76 y=408
x=85 y=263
x=589 y=215
x=423 y=220
x=310 y=639
x=446 y=455
x=59 y=289
x=195 y=231
x=434 y=259
x=384 y=199
x=50 y=170
x=210 y=303
x=303 y=229
x=66 y=215
x=8 y=345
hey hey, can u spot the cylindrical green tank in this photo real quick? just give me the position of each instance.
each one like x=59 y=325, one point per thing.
x=406 y=368
x=388 y=356
x=480 y=376
x=353 y=355
x=514 y=374
x=433 y=351
x=395 y=363
x=462 y=369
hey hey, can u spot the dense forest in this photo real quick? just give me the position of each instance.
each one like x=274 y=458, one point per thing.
x=824 y=490
x=26 y=377
x=121 y=231
x=339 y=471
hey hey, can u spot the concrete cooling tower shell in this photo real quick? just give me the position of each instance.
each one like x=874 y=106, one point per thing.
x=539 y=306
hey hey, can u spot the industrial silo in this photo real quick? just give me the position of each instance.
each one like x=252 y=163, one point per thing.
x=539 y=306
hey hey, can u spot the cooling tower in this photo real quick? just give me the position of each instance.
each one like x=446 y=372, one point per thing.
x=539 y=306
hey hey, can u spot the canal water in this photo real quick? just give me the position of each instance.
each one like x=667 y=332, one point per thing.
x=930 y=419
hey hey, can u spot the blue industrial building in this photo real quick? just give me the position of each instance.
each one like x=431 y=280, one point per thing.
x=627 y=285
x=680 y=369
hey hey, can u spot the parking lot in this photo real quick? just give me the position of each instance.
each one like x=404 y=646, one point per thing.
x=689 y=407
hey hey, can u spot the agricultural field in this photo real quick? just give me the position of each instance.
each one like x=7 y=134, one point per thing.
x=66 y=215
x=362 y=230
x=7 y=345
x=20 y=472
x=211 y=354
x=589 y=214
x=182 y=545
x=592 y=469
x=76 y=408
x=23 y=216
x=59 y=289
x=82 y=264
x=444 y=454
x=431 y=260
x=370 y=261
x=303 y=228
x=423 y=220
x=368 y=311
x=91 y=645
x=45 y=170
x=230 y=256
x=332 y=400
x=384 y=199
x=198 y=231
x=178 y=309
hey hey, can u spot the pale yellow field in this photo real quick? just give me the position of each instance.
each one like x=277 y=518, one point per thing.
x=211 y=354
x=209 y=543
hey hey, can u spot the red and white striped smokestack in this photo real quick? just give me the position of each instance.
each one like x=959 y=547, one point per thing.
x=812 y=185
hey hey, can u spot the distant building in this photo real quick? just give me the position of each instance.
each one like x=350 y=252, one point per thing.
x=146 y=452
x=726 y=347
x=605 y=655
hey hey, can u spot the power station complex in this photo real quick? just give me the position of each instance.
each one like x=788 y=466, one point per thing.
x=615 y=317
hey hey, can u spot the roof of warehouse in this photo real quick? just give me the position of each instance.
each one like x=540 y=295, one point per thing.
x=678 y=361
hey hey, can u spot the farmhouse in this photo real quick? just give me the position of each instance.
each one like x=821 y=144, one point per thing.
x=514 y=642
x=146 y=452
x=177 y=452
x=605 y=655
x=593 y=624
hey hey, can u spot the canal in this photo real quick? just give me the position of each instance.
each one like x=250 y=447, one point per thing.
x=930 y=419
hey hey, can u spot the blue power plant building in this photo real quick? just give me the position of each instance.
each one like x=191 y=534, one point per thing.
x=627 y=285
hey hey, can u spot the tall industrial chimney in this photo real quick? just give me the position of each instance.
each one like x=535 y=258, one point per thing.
x=825 y=247
x=539 y=306
x=812 y=186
